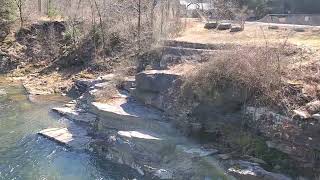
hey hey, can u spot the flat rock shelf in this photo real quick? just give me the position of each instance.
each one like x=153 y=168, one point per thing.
x=73 y=136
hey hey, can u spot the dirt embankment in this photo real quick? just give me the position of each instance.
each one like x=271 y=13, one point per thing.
x=45 y=56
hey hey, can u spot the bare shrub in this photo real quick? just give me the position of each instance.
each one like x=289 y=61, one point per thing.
x=255 y=71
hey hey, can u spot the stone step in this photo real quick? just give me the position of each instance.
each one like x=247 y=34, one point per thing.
x=127 y=114
x=174 y=43
x=75 y=114
x=183 y=51
x=156 y=80
x=72 y=136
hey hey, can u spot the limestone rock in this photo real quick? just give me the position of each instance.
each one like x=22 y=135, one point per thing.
x=76 y=114
x=211 y=25
x=123 y=108
x=72 y=136
x=156 y=80
x=224 y=26
x=137 y=134
x=127 y=114
x=244 y=170
x=299 y=29
x=236 y=29
x=273 y=27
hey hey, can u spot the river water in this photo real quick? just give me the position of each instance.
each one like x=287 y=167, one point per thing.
x=25 y=155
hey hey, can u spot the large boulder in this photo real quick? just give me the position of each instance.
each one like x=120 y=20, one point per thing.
x=211 y=25
x=299 y=29
x=274 y=27
x=224 y=26
x=236 y=29
x=156 y=80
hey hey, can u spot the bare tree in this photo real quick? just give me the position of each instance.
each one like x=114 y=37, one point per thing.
x=20 y=4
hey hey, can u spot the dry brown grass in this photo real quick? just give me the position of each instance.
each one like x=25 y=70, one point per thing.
x=258 y=72
x=252 y=34
x=111 y=91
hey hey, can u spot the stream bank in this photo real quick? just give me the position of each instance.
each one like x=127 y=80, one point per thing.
x=138 y=125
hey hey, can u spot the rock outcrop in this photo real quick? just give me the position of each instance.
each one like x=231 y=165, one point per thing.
x=133 y=127
x=72 y=136
x=244 y=170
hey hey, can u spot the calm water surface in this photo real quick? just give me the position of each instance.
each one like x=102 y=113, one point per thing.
x=25 y=155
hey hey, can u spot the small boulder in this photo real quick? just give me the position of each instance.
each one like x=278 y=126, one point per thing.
x=274 y=27
x=224 y=26
x=211 y=25
x=299 y=29
x=236 y=29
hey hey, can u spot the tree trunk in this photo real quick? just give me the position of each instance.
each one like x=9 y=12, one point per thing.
x=39 y=6
x=152 y=18
x=101 y=27
x=19 y=5
x=139 y=24
x=162 y=19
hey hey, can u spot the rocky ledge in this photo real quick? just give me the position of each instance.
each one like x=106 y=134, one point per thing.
x=73 y=136
x=132 y=127
x=131 y=133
